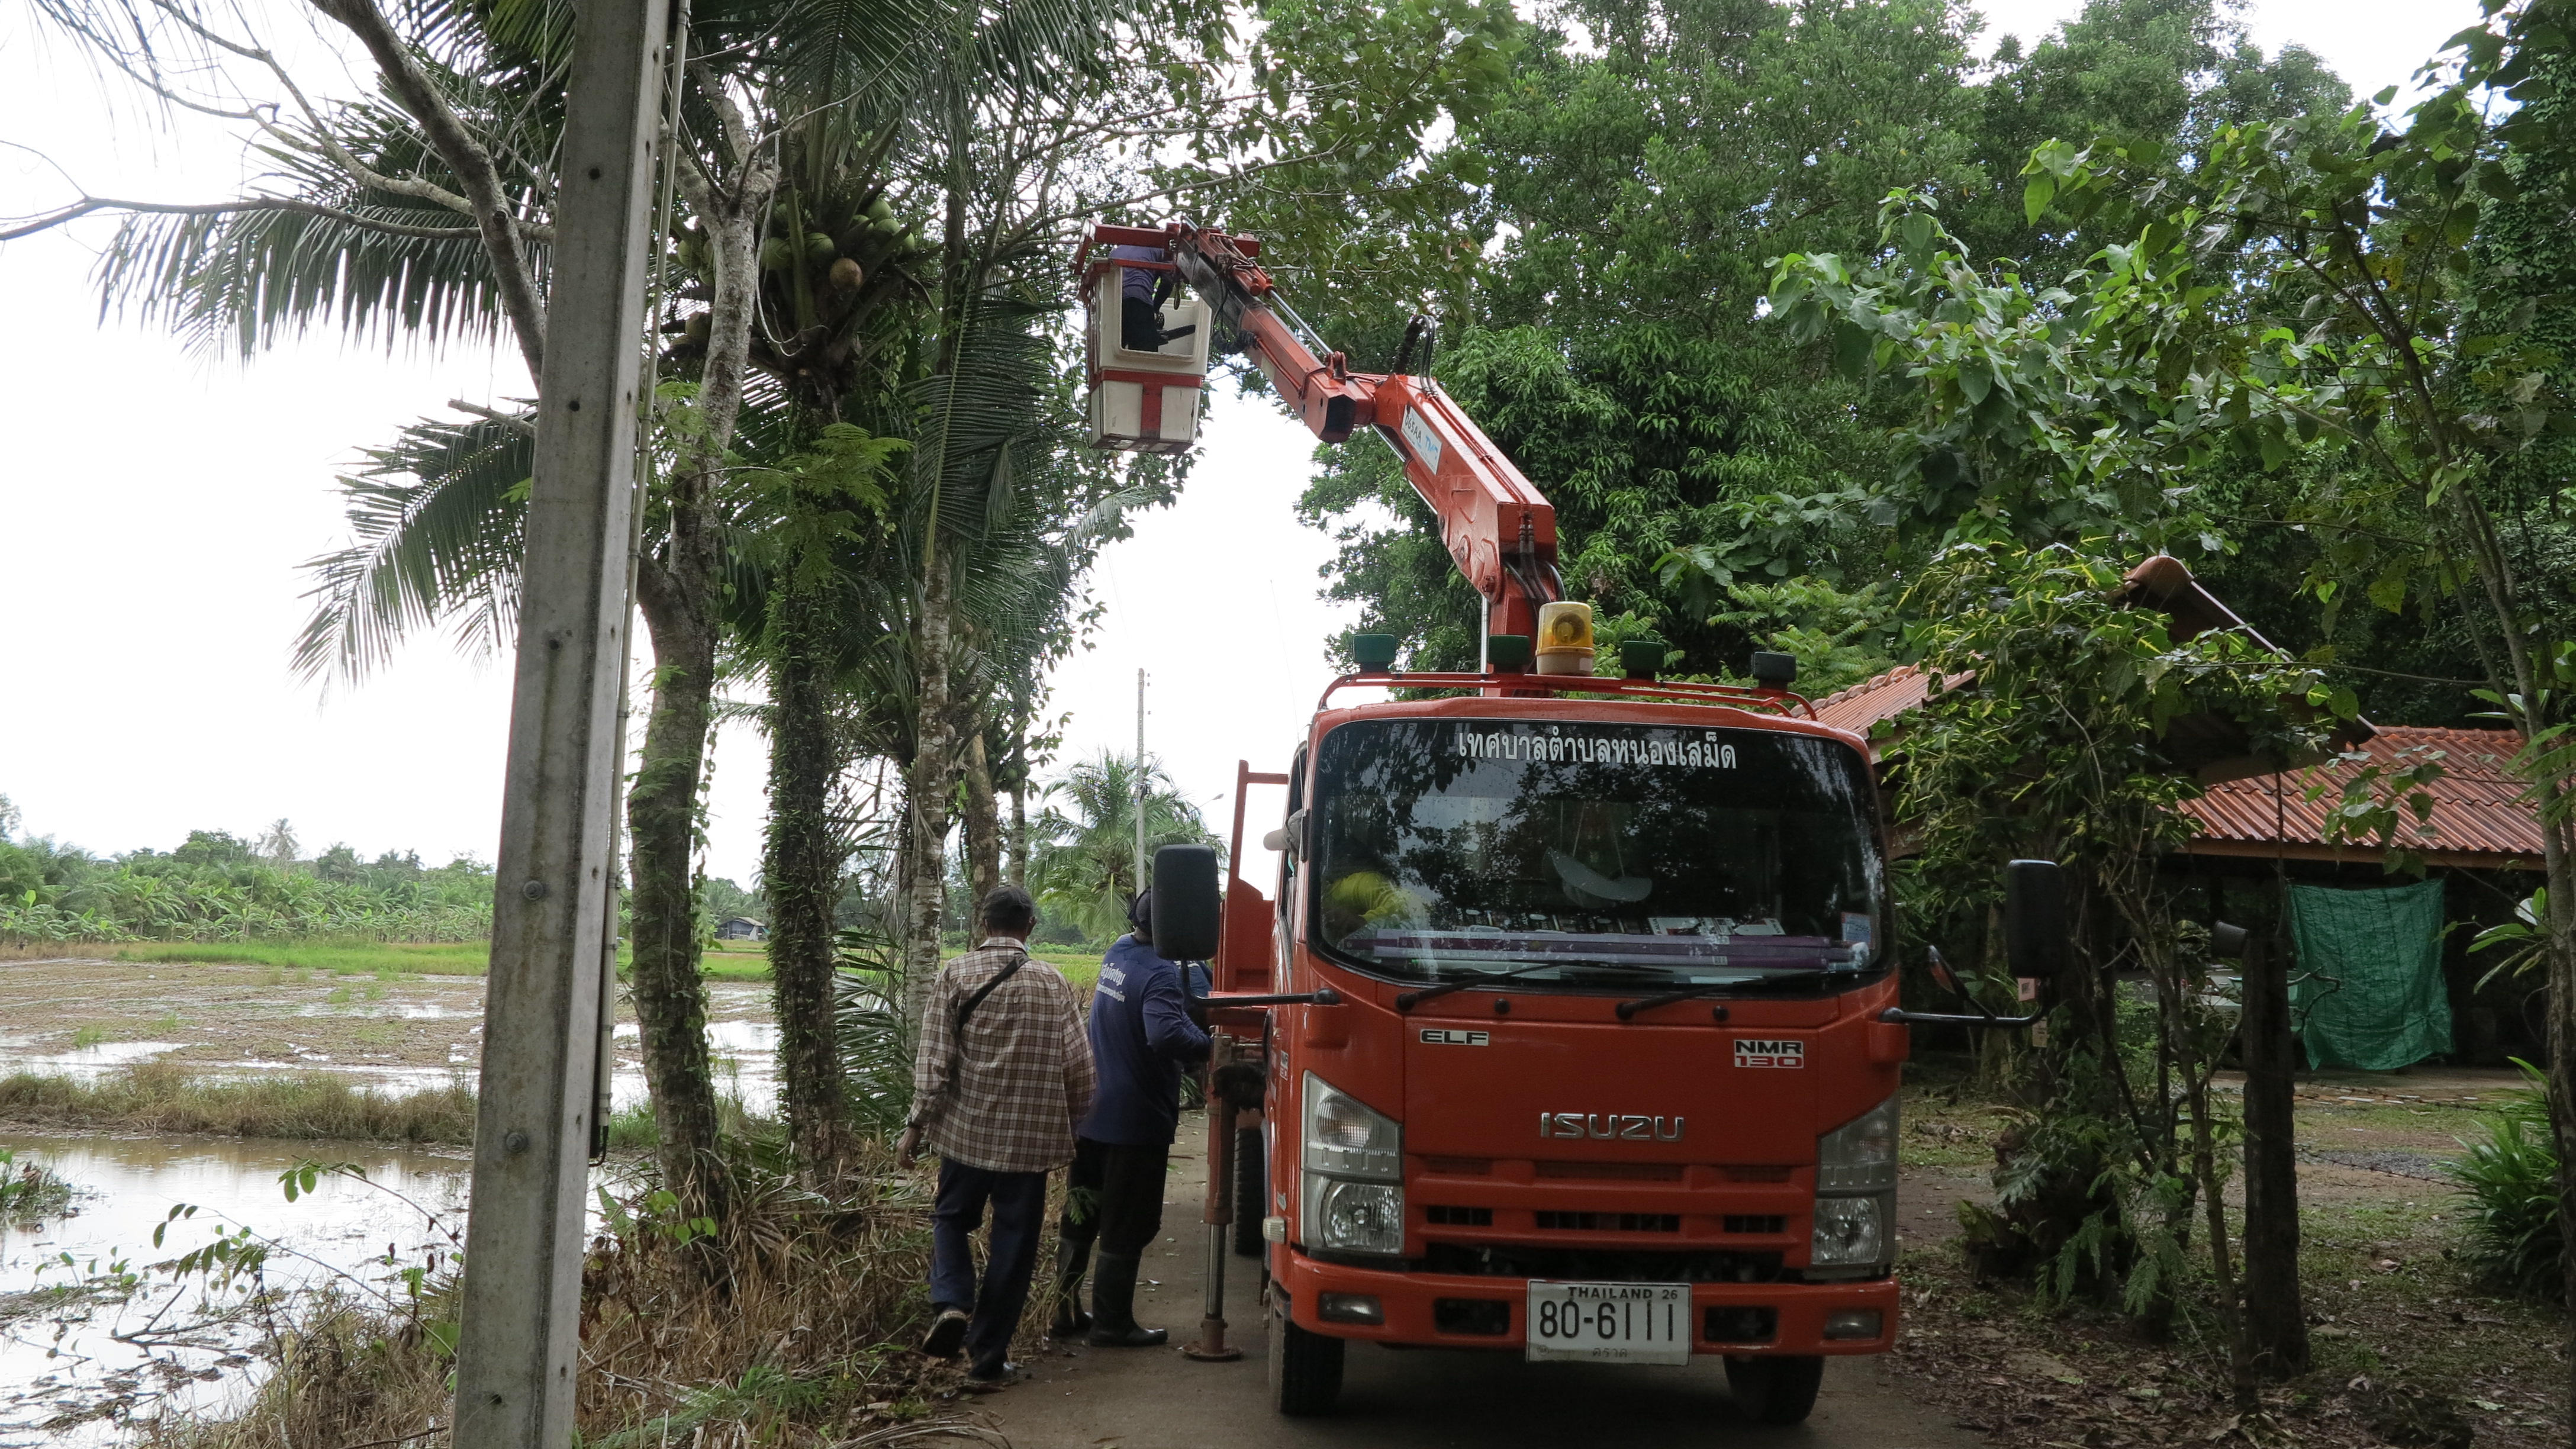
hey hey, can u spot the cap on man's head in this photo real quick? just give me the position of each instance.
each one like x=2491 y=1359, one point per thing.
x=1008 y=909
x=1140 y=914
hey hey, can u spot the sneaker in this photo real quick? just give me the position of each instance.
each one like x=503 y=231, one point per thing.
x=1001 y=1376
x=947 y=1332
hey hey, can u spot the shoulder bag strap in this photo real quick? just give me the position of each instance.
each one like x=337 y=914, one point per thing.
x=967 y=1009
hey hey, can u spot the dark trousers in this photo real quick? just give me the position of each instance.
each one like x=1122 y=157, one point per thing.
x=1116 y=1193
x=1019 y=1212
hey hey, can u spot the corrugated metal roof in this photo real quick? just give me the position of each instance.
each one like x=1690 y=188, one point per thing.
x=2209 y=747
x=2478 y=819
x=1883 y=696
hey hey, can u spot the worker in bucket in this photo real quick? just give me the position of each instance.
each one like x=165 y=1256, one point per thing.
x=1148 y=1021
x=1002 y=1077
x=1141 y=294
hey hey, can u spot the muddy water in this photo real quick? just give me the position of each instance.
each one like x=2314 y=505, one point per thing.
x=80 y=1356
x=76 y=1369
x=83 y=1018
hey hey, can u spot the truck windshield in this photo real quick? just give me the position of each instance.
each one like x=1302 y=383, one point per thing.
x=1448 y=848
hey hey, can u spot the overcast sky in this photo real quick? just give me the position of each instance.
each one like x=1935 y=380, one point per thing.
x=155 y=507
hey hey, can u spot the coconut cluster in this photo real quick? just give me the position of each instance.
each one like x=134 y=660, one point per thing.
x=875 y=238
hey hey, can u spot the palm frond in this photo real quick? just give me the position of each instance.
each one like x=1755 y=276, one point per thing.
x=437 y=520
x=239 y=282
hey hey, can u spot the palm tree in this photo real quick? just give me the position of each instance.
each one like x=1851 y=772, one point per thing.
x=1082 y=863
x=803 y=128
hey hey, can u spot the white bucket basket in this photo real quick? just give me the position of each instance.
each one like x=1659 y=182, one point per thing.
x=1145 y=402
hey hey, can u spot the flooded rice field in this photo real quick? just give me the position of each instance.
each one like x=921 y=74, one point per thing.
x=98 y=1333
x=82 y=1018
x=95 y=1339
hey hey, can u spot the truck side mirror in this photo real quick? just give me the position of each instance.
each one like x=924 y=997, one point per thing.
x=1290 y=838
x=2035 y=918
x=1187 y=906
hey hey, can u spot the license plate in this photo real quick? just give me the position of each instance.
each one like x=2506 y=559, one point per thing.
x=1610 y=1322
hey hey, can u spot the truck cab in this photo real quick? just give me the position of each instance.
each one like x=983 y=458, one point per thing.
x=1582 y=1056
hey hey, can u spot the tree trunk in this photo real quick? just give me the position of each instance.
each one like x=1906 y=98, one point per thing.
x=676 y=590
x=801 y=875
x=1019 y=867
x=929 y=794
x=983 y=823
x=2559 y=953
x=661 y=820
x=2275 y=1314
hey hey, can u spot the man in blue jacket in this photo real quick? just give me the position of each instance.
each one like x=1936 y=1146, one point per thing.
x=1147 y=1022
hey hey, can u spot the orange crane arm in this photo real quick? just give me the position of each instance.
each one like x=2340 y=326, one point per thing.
x=1498 y=528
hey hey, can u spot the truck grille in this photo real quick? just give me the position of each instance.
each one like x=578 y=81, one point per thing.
x=1488 y=1317
x=1601 y=1265
x=1756 y=1223
x=1740 y=1325
x=1459 y=1166
x=1459 y=1217
x=1611 y=1171
x=1609 y=1222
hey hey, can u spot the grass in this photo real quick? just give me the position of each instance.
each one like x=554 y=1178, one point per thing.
x=163 y=1097
x=388 y=960
x=2391 y=1299
x=30 y=1191
x=340 y=958
x=780 y=1329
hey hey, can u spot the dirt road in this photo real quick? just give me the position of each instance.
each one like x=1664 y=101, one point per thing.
x=1089 y=1398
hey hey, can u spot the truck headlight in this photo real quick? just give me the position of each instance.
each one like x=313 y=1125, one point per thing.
x=1355 y=1217
x=1860 y=1155
x=1856 y=1192
x=1850 y=1232
x=1353 y=1189
x=1348 y=1138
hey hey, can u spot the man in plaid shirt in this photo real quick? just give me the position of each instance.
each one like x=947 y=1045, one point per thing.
x=1003 y=1074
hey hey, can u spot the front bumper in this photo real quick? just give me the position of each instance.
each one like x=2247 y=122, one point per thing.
x=1411 y=1302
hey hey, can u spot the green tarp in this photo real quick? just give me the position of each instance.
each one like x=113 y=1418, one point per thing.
x=2369 y=992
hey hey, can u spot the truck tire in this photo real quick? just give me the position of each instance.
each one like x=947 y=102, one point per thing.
x=1305 y=1368
x=1775 y=1390
x=1251 y=1193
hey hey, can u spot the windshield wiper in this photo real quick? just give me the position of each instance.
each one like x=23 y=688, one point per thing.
x=1629 y=1009
x=1405 y=1001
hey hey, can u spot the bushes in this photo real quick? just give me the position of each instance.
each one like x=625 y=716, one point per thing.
x=797 y=1339
x=2511 y=1176
x=201 y=892
x=163 y=1097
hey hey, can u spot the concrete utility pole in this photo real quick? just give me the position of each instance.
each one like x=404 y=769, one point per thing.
x=523 y=1246
x=1140 y=779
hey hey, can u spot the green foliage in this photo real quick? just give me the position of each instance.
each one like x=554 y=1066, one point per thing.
x=719 y=898
x=436 y=520
x=1082 y=856
x=30 y=1190
x=215 y=888
x=2511 y=1238
x=1838 y=637
x=164 y=1097
x=1628 y=198
x=2048 y=737
x=876 y=1038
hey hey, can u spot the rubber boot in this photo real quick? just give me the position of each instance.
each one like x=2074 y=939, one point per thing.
x=1113 y=1306
x=1071 y=1259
